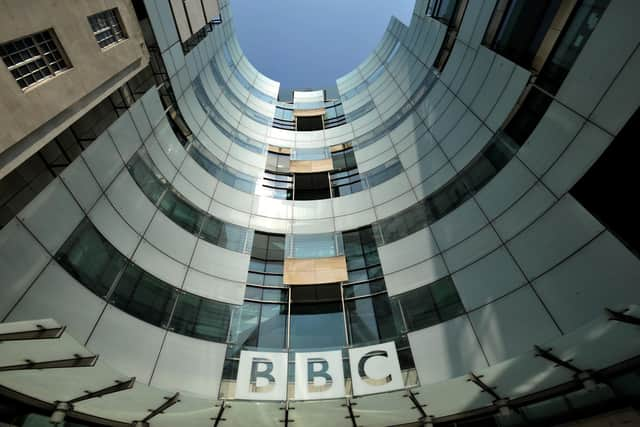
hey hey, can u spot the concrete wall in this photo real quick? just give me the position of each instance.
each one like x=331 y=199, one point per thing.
x=26 y=115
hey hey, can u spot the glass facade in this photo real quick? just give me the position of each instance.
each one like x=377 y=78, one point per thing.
x=98 y=265
x=459 y=216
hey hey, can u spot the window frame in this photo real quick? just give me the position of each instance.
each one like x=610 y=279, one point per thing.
x=48 y=36
x=115 y=26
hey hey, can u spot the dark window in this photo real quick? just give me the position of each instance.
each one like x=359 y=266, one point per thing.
x=431 y=304
x=201 y=318
x=33 y=58
x=225 y=235
x=309 y=123
x=575 y=34
x=528 y=115
x=107 y=28
x=616 y=168
x=523 y=27
x=91 y=259
x=181 y=212
x=372 y=319
x=148 y=179
x=316 y=317
x=344 y=160
x=311 y=186
x=144 y=296
x=267 y=259
x=371 y=316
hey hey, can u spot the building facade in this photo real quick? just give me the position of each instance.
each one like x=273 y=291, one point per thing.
x=435 y=241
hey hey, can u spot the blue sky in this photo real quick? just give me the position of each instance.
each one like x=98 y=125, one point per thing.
x=309 y=43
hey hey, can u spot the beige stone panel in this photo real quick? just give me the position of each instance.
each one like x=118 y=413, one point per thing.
x=311 y=166
x=315 y=271
x=309 y=113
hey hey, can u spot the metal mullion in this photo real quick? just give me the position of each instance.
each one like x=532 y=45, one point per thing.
x=344 y=315
x=102 y=30
x=366 y=296
x=288 y=326
x=25 y=62
x=42 y=54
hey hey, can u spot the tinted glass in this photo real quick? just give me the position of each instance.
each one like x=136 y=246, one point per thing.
x=201 y=318
x=91 y=259
x=144 y=296
x=371 y=320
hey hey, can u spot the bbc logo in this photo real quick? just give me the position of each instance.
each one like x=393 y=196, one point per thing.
x=318 y=375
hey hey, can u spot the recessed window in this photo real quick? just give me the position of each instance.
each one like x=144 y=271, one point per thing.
x=309 y=123
x=33 y=58
x=311 y=186
x=107 y=27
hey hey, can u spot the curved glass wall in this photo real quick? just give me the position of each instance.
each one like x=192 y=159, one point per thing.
x=102 y=269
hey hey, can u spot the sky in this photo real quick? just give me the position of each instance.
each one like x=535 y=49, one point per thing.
x=308 y=44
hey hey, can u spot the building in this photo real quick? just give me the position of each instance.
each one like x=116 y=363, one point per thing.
x=436 y=241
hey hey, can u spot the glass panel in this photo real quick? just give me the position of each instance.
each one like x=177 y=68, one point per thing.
x=311 y=245
x=276 y=295
x=91 y=259
x=574 y=37
x=523 y=28
x=180 y=212
x=317 y=325
x=431 y=304
x=244 y=330
x=383 y=173
x=528 y=115
x=201 y=318
x=255 y=278
x=144 y=175
x=446 y=299
x=233 y=237
x=273 y=326
x=144 y=296
x=252 y=292
x=418 y=308
x=371 y=320
x=364 y=289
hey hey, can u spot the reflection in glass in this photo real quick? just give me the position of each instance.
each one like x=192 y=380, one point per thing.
x=316 y=317
x=371 y=320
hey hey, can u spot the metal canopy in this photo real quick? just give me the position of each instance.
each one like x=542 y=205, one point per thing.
x=549 y=369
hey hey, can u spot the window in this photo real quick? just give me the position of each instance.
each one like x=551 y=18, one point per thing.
x=431 y=304
x=277 y=162
x=370 y=315
x=91 y=259
x=316 y=317
x=309 y=123
x=34 y=58
x=144 y=296
x=267 y=258
x=311 y=186
x=383 y=172
x=575 y=34
x=313 y=245
x=529 y=114
x=522 y=29
x=442 y=10
x=107 y=28
x=201 y=318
